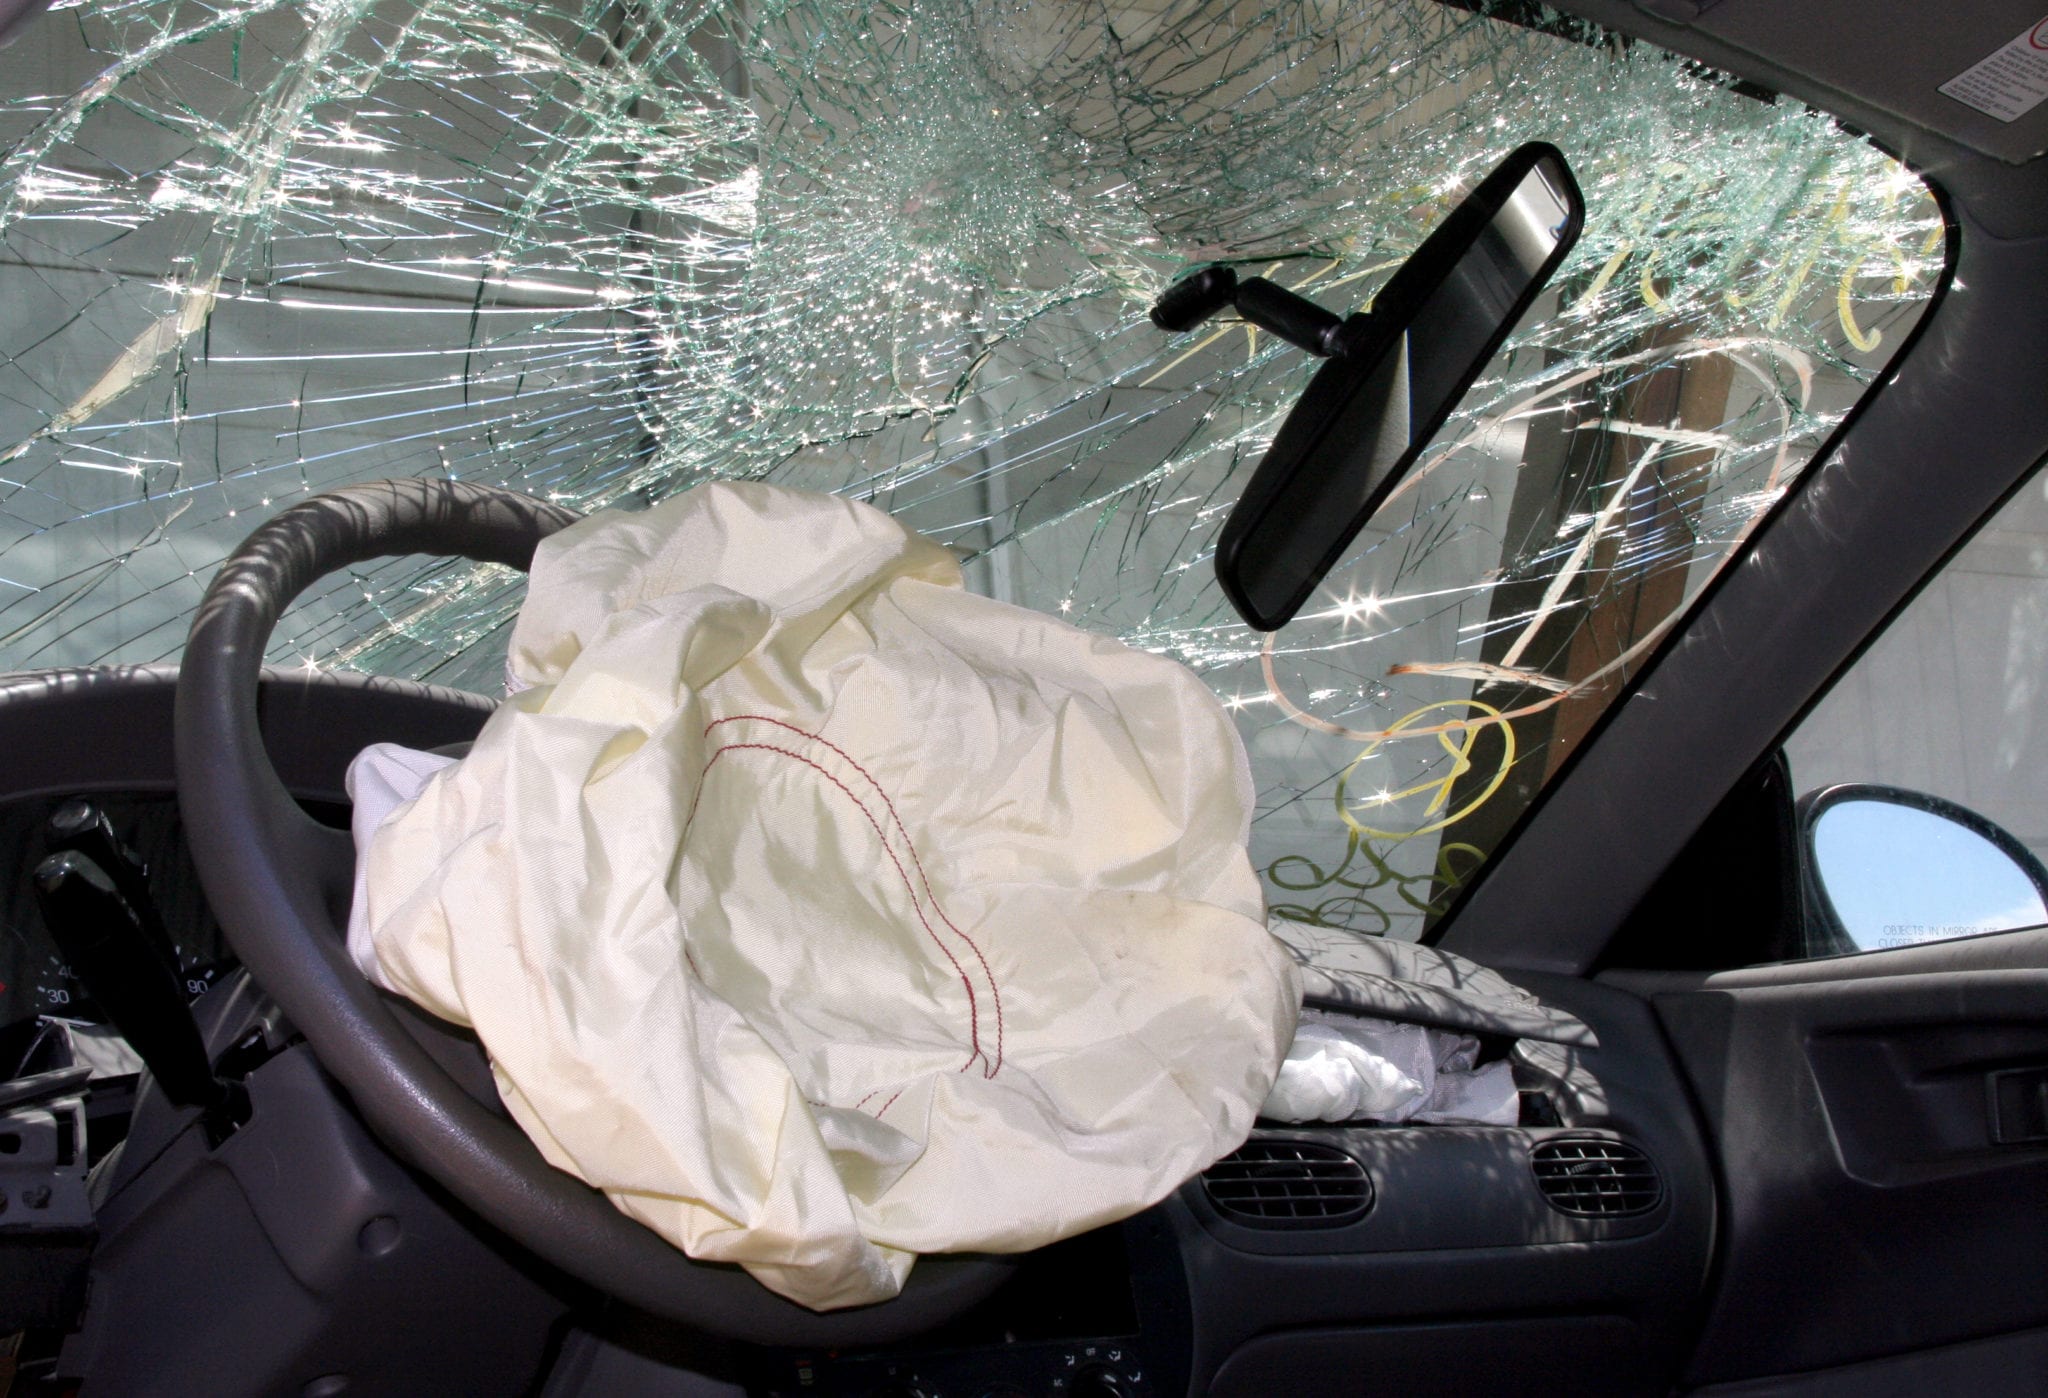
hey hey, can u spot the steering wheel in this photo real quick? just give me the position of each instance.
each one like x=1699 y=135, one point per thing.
x=279 y=883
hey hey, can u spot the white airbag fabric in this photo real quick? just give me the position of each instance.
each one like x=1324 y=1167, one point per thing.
x=822 y=913
x=1343 y=1068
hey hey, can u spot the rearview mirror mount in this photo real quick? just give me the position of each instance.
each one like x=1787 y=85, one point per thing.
x=1395 y=373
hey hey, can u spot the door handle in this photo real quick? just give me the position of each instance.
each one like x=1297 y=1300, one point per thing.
x=2018 y=1101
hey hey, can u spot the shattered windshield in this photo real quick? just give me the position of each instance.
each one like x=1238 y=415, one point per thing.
x=601 y=252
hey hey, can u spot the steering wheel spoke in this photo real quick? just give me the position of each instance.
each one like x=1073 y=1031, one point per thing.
x=330 y=862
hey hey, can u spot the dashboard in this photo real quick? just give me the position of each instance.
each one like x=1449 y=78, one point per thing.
x=1412 y=1260
x=1561 y=1255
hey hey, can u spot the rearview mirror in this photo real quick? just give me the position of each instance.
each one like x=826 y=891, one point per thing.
x=1889 y=868
x=1394 y=374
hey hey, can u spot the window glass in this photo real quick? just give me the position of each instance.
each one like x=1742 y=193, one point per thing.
x=601 y=252
x=1946 y=704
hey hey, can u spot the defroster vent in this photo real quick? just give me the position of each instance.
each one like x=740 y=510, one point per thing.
x=1288 y=1184
x=1594 y=1177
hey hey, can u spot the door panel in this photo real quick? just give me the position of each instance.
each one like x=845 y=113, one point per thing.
x=1878 y=1125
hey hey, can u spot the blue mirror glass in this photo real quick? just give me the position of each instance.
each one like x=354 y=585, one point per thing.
x=1895 y=874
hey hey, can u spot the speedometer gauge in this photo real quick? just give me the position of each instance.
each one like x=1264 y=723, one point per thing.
x=50 y=988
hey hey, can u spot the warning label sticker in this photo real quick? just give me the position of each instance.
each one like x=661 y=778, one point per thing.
x=2010 y=83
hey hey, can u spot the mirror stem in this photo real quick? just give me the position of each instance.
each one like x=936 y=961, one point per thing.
x=1295 y=319
x=1273 y=308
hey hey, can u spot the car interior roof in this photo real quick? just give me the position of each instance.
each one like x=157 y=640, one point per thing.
x=1878 y=66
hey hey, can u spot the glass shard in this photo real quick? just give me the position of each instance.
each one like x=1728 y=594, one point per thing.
x=602 y=251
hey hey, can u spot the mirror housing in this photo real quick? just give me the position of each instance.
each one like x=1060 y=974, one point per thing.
x=1394 y=374
x=1885 y=867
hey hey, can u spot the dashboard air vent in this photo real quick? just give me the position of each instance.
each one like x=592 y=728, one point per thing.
x=1288 y=1184
x=1595 y=1178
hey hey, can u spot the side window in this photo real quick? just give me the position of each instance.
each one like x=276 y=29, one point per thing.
x=1923 y=775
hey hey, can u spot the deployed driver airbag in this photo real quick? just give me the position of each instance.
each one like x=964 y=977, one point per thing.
x=823 y=913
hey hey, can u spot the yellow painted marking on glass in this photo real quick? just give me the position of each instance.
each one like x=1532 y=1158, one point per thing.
x=1457 y=737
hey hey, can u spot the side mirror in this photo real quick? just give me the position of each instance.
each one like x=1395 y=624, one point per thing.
x=1884 y=867
x=1394 y=374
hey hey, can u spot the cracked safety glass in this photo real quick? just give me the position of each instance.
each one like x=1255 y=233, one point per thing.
x=601 y=252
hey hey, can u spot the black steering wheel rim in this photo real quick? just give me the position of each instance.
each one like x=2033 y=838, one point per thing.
x=279 y=884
